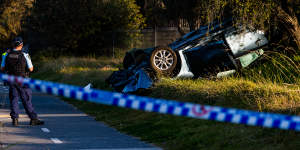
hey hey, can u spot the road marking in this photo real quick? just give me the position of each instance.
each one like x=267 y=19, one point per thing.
x=56 y=141
x=8 y=116
x=63 y=115
x=45 y=130
x=47 y=115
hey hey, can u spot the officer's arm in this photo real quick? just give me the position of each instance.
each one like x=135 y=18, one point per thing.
x=28 y=62
x=3 y=61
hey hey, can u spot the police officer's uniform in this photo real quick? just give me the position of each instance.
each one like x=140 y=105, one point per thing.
x=16 y=63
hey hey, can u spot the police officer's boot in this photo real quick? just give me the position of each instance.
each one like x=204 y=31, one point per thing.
x=35 y=122
x=15 y=122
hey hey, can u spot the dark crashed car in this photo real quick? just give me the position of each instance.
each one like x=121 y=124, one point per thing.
x=215 y=50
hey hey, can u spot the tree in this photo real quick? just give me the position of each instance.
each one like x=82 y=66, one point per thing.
x=85 y=26
x=161 y=12
x=270 y=15
x=173 y=11
x=286 y=15
x=12 y=15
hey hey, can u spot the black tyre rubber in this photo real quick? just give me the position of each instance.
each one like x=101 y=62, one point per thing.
x=163 y=60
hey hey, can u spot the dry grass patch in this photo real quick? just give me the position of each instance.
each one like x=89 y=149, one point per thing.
x=231 y=92
x=77 y=71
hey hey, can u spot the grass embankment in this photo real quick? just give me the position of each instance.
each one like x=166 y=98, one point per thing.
x=171 y=132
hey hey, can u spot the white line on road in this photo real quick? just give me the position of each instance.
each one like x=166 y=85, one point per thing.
x=46 y=115
x=45 y=130
x=56 y=141
x=63 y=115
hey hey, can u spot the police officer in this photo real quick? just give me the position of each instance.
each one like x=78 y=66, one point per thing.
x=16 y=63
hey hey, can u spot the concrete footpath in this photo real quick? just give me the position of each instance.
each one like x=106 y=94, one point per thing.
x=66 y=128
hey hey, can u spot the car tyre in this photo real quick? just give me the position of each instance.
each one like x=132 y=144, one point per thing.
x=163 y=60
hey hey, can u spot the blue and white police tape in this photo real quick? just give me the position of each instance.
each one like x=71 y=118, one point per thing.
x=198 y=111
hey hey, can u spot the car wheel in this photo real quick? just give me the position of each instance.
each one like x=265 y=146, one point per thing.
x=163 y=60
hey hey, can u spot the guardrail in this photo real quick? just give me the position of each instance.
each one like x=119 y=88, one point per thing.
x=206 y=112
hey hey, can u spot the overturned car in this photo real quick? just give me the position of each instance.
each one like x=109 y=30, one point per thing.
x=214 y=50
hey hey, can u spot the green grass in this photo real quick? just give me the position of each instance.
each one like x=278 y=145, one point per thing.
x=78 y=71
x=180 y=133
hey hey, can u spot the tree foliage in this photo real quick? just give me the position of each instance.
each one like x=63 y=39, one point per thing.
x=271 y=15
x=94 y=26
x=12 y=15
x=165 y=12
x=85 y=26
x=191 y=10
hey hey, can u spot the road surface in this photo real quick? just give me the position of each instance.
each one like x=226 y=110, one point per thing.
x=66 y=128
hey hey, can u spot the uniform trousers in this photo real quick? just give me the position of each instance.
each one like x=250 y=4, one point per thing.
x=25 y=94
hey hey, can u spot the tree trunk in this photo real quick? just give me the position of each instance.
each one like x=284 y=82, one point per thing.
x=290 y=22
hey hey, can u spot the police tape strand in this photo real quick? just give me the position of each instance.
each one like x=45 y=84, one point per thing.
x=232 y=115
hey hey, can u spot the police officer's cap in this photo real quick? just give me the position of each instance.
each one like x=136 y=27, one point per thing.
x=17 y=41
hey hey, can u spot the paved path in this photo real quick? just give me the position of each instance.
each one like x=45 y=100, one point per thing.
x=65 y=128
